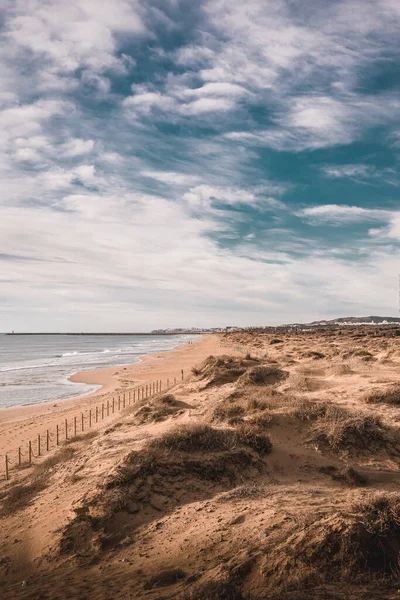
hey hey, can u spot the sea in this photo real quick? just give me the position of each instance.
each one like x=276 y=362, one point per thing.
x=36 y=368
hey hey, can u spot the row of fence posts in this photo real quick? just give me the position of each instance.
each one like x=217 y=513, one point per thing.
x=43 y=442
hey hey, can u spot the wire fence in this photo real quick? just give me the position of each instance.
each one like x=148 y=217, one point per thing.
x=80 y=424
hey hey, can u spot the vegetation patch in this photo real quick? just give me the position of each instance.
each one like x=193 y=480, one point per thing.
x=357 y=545
x=223 y=369
x=314 y=354
x=340 y=430
x=263 y=375
x=158 y=409
x=203 y=438
x=19 y=496
x=347 y=475
x=389 y=395
x=349 y=432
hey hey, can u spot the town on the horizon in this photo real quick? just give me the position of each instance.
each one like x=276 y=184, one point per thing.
x=342 y=322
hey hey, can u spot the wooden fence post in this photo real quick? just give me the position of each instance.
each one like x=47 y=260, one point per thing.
x=74 y=426
x=113 y=405
x=168 y=383
x=90 y=418
x=38 y=444
x=57 y=436
x=66 y=429
x=108 y=408
x=83 y=421
x=19 y=456
x=119 y=402
x=97 y=415
x=47 y=440
x=30 y=453
x=124 y=400
x=102 y=411
x=7 y=474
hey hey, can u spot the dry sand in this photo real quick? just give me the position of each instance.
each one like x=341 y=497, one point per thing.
x=118 y=515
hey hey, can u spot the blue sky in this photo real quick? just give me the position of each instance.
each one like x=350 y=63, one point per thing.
x=203 y=163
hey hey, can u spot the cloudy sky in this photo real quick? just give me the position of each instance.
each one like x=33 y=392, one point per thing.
x=172 y=163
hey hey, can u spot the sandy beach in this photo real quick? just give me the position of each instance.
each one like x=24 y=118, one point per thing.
x=275 y=463
x=20 y=424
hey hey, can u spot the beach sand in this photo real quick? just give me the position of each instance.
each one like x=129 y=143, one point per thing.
x=23 y=423
x=278 y=467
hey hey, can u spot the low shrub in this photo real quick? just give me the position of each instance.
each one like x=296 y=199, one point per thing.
x=203 y=438
x=263 y=375
x=360 y=544
x=389 y=395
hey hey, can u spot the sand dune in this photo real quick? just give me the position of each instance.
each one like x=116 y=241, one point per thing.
x=272 y=472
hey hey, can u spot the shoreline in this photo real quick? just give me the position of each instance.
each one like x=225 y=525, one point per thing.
x=104 y=377
x=109 y=381
x=20 y=424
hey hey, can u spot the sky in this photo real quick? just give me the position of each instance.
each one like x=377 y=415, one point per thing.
x=201 y=163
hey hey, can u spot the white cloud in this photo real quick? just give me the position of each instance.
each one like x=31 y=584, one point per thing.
x=73 y=35
x=207 y=105
x=144 y=102
x=335 y=213
x=202 y=199
x=171 y=178
x=217 y=89
x=125 y=252
x=78 y=147
x=353 y=171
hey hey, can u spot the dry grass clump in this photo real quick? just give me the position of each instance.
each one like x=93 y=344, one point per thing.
x=261 y=421
x=339 y=430
x=250 y=436
x=310 y=410
x=263 y=375
x=237 y=406
x=66 y=453
x=20 y=496
x=358 y=545
x=224 y=369
x=226 y=412
x=360 y=353
x=314 y=354
x=158 y=409
x=341 y=369
x=244 y=492
x=347 y=475
x=388 y=396
x=258 y=403
x=200 y=437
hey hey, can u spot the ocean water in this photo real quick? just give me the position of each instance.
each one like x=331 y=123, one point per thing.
x=35 y=368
